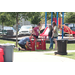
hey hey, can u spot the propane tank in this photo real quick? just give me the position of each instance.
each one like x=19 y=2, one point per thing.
x=29 y=46
x=43 y=44
x=1 y=55
x=38 y=44
x=33 y=45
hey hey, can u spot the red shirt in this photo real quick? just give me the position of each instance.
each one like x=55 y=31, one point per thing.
x=36 y=30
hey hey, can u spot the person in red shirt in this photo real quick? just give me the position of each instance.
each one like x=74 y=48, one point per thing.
x=36 y=31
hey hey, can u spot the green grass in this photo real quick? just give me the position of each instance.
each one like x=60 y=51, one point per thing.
x=5 y=41
x=69 y=46
x=69 y=55
x=58 y=31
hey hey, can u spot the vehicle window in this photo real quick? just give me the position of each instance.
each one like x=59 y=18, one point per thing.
x=26 y=27
x=7 y=28
x=74 y=25
x=73 y=29
x=70 y=25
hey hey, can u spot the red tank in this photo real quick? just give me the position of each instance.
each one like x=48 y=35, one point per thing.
x=1 y=55
x=33 y=45
x=43 y=44
x=38 y=45
x=29 y=46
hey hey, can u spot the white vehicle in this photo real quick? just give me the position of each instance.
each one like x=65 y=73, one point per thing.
x=25 y=29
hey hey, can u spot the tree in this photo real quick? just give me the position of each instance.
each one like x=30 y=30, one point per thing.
x=49 y=15
x=17 y=16
x=36 y=18
x=10 y=21
x=70 y=17
x=5 y=19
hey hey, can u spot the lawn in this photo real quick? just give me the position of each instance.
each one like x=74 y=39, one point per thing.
x=69 y=46
x=69 y=55
x=6 y=41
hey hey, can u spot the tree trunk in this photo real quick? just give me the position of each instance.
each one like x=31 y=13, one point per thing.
x=2 y=25
x=2 y=29
x=16 y=29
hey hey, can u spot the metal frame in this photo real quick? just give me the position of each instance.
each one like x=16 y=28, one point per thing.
x=45 y=19
x=57 y=20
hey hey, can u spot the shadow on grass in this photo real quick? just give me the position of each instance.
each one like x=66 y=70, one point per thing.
x=69 y=55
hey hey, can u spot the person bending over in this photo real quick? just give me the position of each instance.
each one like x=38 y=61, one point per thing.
x=23 y=43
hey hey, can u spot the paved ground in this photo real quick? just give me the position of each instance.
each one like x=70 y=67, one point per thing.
x=69 y=38
x=59 y=37
x=39 y=57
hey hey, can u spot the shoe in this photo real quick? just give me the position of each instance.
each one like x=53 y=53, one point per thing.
x=18 y=49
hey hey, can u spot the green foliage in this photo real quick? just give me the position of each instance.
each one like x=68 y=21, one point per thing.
x=6 y=19
x=9 y=18
x=18 y=16
x=21 y=15
x=34 y=17
x=70 y=17
x=49 y=15
x=3 y=17
x=35 y=20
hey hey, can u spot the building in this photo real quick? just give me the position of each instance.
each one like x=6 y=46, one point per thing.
x=23 y=22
